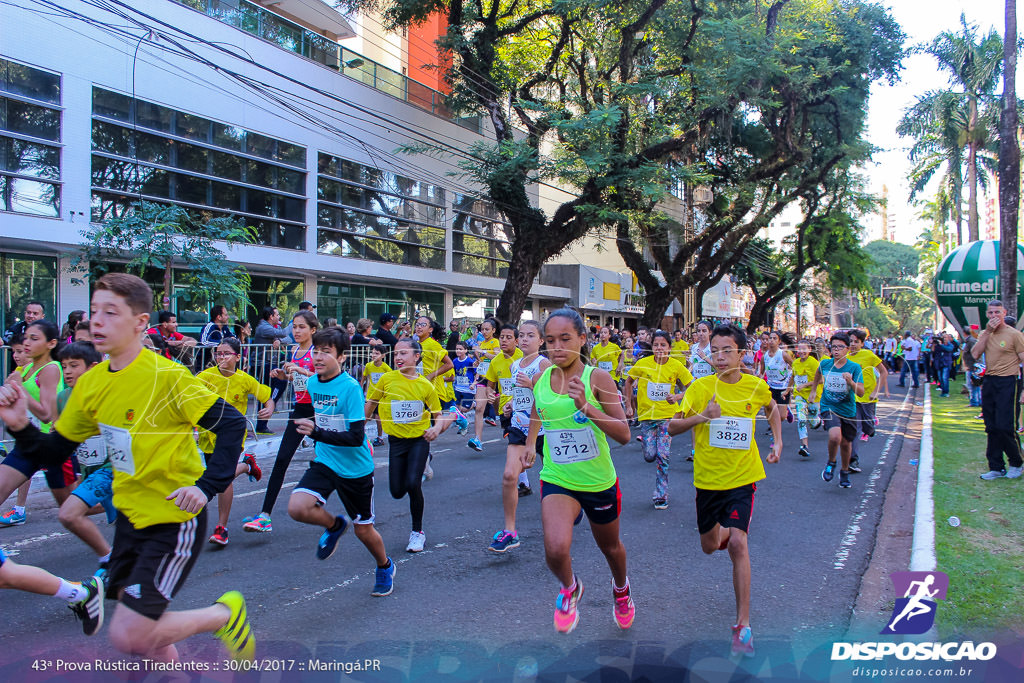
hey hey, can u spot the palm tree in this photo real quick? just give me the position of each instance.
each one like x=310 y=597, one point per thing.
x=974 y=64
x=1009 y=165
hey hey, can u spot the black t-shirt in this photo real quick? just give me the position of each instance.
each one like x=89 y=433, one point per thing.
x=358 y=339
x=386 y=337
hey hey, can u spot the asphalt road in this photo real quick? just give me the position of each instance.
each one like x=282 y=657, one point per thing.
x=460 y=612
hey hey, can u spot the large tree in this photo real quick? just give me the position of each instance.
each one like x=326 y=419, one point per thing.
x=1009 y=166
x=618 y=102
x=973 y=63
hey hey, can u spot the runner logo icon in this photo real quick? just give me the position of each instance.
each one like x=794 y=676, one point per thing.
x=914 y=613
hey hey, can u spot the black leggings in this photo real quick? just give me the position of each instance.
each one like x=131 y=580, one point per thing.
x=407 y=459
x=289 y=444
x=277 y=389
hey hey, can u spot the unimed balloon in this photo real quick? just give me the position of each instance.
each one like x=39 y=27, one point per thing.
x=968 y=278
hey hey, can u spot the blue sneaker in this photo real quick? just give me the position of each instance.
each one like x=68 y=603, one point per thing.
x=828 y=472
x=329 y=540
x=14 y=518
x=504 y=541
x=475 y=444
x=385 y=582
x=461 y=423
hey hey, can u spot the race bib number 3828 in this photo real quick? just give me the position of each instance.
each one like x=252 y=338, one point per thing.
x=733 y=433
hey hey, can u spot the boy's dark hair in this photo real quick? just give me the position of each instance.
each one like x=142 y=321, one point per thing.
x=83 y=325
x=335 y=337
x=841 y=336
x=661 y=334
x=733 y=332
x=859 y=334
x=82 y=350
x=509 y=326
x=164 y=317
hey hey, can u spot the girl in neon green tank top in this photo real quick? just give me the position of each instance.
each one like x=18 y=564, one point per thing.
x=579 y=408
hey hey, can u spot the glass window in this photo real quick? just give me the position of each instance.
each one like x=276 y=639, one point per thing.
x=27 y=81
x=29 y=158
x=26 y=278
x=28 y=196
x=29 y=119
x=115 y=180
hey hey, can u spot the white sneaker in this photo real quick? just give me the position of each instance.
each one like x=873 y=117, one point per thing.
x=416 y=541
x=1013 y=472
x=428 y=472
x=996 y=474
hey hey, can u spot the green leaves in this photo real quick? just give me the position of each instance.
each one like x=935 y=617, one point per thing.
x=162 y=237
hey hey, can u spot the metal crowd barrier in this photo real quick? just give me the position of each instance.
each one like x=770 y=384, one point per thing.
x=257 y=359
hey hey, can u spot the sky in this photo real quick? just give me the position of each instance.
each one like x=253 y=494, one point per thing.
x=921 y=20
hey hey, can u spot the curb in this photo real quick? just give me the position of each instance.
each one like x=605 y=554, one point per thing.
x=922 y=556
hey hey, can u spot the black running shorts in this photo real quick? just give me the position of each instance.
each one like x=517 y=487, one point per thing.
x=731 y=508
x=148 y=566
x=356 y=494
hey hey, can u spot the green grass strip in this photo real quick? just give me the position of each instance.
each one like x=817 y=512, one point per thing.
x=984 y=556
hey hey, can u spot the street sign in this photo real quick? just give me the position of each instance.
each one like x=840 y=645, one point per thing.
x=968 y=278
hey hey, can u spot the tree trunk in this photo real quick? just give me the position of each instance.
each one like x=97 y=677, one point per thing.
x=656 y=302
x=168 y=273
x=973 y=233
x=522 y=270
x=1009 y=166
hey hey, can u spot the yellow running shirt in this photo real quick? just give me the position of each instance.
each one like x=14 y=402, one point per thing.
x=868 y=361
x=146 y=413
x=492 y=347
x=234 y=389
x=607 y=358
x=680 y=349
x=431 y=359
x=803 y=375
x=654 y=383
x=500 y=373
x=405 y=404
x=373 y=373
x=726 y=454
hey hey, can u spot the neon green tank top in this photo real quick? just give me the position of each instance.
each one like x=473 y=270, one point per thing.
x=32 y=389
x=576 y=456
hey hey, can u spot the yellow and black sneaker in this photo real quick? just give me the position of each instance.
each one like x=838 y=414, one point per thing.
x=237 y=634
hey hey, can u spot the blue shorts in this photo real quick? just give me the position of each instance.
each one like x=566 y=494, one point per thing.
x=58 y=477
x=97 y=489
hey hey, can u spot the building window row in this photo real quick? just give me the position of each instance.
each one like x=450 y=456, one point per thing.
x=480 y=238
x=142 y=150
x=30 y=136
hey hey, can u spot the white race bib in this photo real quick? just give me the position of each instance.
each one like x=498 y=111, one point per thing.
x=375 y=377
x=571 y=445
x=777 y=375
x=92 y=452
x=299 y=382
x=334 y=423
x=734 y=433
x=605 y=365
x=522 y=399
x=800 y=381
x=119 y=448
x=835 y=383
x=702 y=369
x=626 y=369
x=462 y=383
x=406 y=412
x=370 y=430
x=508 y=385
x=658 y=391
x=481 y=370
x=419 y=368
